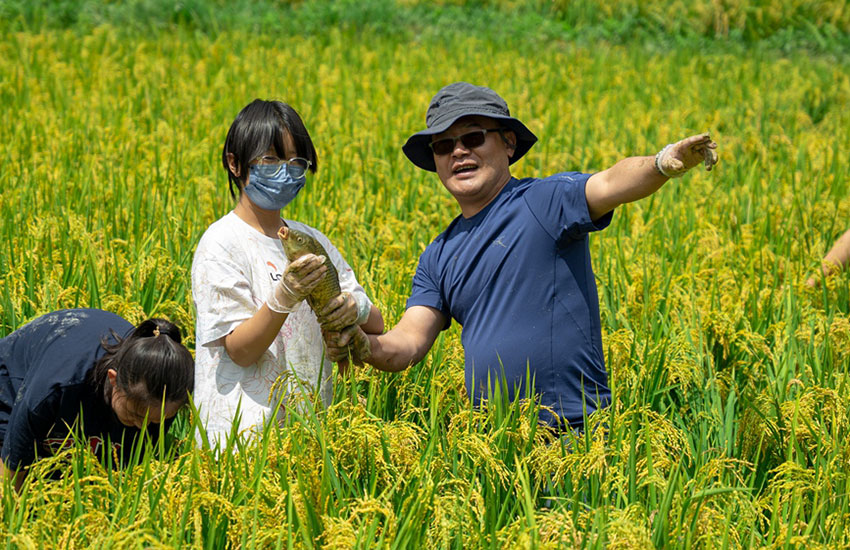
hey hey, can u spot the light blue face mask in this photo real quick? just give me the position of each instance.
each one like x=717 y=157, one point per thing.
x=271 y=187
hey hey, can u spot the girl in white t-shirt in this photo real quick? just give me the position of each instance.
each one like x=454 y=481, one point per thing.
x=254 y=331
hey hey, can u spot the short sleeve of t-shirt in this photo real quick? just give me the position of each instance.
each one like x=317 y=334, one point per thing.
x=221 y=289
x=426 y=288
x=559 y=204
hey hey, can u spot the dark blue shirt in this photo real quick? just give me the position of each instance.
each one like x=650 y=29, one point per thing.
x=45 y=390
x=517 y=277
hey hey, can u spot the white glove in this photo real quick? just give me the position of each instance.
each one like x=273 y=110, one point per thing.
x=677 y=158
x=364 y=308
x=299 y=279
x=345 y=310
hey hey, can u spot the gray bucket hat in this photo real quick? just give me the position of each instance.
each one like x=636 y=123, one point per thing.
x=458 y=100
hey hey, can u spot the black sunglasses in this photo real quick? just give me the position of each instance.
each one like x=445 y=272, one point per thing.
x=471 y=139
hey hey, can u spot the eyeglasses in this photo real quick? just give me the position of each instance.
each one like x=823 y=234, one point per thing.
x=470 y=139
x=295 y=167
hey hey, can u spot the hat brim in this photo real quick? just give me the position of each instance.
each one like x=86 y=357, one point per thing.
x=417 y=150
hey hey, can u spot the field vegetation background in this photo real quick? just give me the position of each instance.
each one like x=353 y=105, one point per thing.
x=730 y=425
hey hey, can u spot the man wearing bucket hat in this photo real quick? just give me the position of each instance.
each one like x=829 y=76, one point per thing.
x=514 y=268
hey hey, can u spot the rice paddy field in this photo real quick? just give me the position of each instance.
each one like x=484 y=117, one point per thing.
x=730 y=425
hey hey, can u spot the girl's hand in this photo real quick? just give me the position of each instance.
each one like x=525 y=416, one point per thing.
x=345 y=310
x=299 y=279
x=339 y=312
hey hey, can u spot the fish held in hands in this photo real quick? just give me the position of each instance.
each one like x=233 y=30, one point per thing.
x=298 y=243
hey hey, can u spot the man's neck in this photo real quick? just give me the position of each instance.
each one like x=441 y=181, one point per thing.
x=470 y=209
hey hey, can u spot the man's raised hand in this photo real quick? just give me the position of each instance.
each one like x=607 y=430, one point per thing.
x=677 y=158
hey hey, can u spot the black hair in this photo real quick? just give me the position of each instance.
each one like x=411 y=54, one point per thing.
x=151 y=363
x=259 y=126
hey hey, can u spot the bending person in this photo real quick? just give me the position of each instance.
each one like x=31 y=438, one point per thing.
x=514 y=267
x=92 y=373
x=254 y=332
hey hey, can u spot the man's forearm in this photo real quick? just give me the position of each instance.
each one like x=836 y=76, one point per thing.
x=631 y=179
x=634 y=178
x=390 y=354
x=408 y=342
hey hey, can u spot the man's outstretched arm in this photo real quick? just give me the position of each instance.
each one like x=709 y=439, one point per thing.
x=403 y=345
x=634 y=178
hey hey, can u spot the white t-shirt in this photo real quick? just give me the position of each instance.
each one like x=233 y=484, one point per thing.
x=234 y=271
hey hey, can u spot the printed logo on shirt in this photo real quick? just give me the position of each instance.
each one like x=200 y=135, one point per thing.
x=274 y=274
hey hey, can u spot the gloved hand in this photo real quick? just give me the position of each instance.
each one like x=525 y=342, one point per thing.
x=345 y=310
x=351 y=340
x=677 y=158
x=299 y=278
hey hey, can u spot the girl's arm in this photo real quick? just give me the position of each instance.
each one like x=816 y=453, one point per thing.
x=247 y=342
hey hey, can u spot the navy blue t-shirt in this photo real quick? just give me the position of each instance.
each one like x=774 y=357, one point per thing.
x=44 y=387
x=517 y=277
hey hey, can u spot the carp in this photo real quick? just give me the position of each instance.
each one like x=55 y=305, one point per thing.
x=298 y=243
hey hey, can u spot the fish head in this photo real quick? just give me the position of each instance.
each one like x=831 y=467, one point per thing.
x=295 y=243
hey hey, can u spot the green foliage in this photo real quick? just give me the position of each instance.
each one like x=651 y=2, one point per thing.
x=786 y=25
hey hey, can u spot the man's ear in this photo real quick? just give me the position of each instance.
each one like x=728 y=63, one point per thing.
x=112 y=375
x=510 y=142
x=233 y=165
